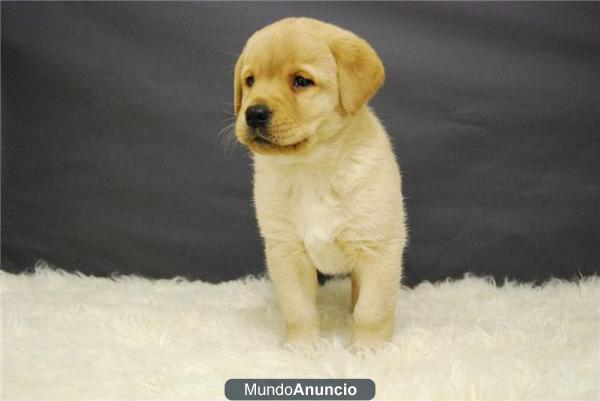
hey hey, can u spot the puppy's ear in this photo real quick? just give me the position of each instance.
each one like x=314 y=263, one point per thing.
x=237 y=85
x=360 y=71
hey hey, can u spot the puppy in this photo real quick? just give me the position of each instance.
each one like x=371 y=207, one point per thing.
x=327 y=188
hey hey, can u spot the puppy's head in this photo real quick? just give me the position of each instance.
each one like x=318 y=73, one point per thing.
x=297 y=80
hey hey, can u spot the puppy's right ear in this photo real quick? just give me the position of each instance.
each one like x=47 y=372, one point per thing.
x=237 y=85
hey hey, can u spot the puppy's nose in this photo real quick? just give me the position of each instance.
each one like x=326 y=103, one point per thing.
x=257 y=116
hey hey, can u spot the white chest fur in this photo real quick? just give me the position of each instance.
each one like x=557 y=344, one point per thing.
x=316 y=213
x=314 y=209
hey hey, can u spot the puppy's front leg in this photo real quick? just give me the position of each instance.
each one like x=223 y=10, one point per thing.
x=296 y=284
x=377 y=278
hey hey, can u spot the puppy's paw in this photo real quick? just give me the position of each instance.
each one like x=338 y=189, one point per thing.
x=369 y=338
x=304 y=335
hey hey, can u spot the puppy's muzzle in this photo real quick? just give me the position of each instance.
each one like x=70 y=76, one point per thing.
x=258 y=116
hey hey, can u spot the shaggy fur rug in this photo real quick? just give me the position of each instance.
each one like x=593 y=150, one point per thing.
x=72 y=337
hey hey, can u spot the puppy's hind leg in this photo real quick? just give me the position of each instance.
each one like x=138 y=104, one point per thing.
x=296 y=284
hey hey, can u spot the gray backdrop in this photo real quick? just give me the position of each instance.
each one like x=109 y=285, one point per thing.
x=110 y=116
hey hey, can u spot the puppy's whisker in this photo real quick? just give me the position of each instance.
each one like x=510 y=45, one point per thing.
x=227 y=131
x=232 y=54
x=229 y=118
x=228 y=140
x=229 y=113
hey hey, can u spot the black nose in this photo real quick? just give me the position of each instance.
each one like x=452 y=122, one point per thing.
x=257 y=116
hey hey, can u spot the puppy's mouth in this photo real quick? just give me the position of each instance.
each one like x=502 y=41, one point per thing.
x=262 y=142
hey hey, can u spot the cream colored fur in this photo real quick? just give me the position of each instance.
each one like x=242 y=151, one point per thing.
x=333 y=202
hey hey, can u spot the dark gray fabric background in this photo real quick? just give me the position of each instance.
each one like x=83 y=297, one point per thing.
x=110 y=116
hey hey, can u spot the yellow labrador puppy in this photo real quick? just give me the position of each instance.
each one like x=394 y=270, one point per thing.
x=327 y=187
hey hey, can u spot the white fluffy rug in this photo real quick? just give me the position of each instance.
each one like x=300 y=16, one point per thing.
x=71 y=337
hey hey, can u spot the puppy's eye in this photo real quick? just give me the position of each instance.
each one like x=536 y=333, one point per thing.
x=301 y=82
x=250 y=81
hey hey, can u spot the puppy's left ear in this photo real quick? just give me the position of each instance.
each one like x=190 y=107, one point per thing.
x=237 y=85
x=360 y=70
